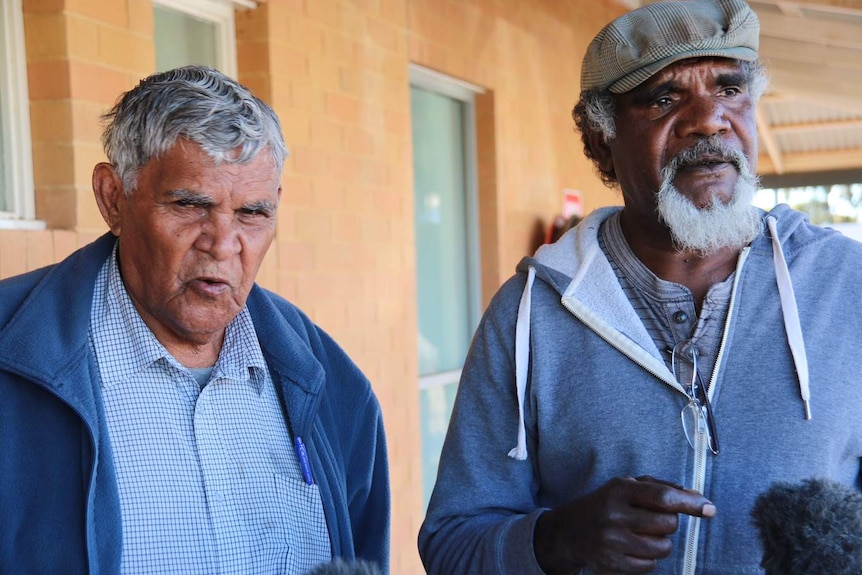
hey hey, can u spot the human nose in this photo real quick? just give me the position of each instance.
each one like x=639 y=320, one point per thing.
x=703 y=116
x=219 y=236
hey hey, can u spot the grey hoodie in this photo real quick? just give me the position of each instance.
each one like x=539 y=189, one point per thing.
x=597 y=401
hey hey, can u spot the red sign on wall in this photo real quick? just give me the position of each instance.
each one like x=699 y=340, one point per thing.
x=573 y=203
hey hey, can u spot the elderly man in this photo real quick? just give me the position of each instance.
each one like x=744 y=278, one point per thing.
x=159 y=412
x=665 y=362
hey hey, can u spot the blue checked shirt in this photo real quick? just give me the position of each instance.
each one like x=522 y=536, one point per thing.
x=208 y=480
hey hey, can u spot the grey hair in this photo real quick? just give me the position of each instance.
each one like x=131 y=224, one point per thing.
x=196 y=103
x=594 y=112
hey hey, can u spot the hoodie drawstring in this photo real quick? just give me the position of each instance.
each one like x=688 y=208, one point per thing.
x=522 y=363
x=792 y=325
x=789 y=309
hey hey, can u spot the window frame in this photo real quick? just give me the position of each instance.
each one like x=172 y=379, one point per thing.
x=464 y=92
x=18 y=185
x=221 y=14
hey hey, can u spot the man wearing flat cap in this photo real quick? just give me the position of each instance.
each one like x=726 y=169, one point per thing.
x=635 y=386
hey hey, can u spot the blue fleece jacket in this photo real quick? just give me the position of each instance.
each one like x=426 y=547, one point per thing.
x=59 y=504
x=599 y=402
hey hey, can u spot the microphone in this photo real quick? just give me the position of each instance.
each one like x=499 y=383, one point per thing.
x=810 y=528
x=341 y=567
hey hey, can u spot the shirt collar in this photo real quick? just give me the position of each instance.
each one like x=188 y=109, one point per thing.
x=114 y=316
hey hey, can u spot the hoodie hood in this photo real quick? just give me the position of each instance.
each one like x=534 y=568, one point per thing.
x=565 y=264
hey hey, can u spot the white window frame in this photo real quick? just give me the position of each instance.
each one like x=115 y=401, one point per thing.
x=221 y=14
x=465 y=92
x=18 y=186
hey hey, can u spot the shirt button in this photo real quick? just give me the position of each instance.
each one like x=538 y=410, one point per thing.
x=680 y=317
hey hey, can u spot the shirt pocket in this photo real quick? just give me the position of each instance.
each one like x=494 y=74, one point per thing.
x=296 y=526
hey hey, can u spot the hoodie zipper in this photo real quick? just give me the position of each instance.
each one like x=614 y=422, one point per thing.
x=699 y=474
x=699 y=480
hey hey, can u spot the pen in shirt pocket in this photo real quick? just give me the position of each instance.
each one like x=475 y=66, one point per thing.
x=304 y=463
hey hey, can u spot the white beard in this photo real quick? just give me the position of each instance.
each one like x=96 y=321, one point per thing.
x=704 y=231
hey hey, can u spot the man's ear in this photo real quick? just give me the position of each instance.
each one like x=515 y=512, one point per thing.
x=108 y=189
x=601 y=152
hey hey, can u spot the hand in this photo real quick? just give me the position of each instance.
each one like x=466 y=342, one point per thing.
x=622 y=527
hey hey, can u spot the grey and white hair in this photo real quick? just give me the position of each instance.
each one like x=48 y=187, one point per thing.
x=594 y=112
x=195 y=103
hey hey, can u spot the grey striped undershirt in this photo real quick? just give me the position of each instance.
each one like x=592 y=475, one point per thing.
x=667 y=309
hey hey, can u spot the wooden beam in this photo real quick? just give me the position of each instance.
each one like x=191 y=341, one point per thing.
x=774 y=50
x=799 y=163
x=783 y=129
x=823 y=86
x=831 y=31
x=769 y=142
x=848 y=7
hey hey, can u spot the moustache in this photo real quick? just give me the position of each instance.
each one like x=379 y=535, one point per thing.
x=707 y=151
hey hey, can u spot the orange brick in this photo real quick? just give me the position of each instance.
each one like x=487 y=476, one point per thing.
x=329 y=195
x=394 y=11
x=351 y=19
x=86 y=237
x=342 y=108
x=252 y=24
x=359 y=141
x=114 y=13
x=296 y=128
x=119 y=48
x=325 y=12
x=344 y=167
x=13 y=252
x=313 y=225
x=48 y=80
x=45 y=36
x=141 y=17
x=64 y=243
x=374 y=172
x=327 y=135
x=50 y=120
x=40 y=249
x=296 y=191
x=346 y=228
x=53 y=163
x=384 y=34
x=297 y=256
x=96 y=83
x=338 y=46
x=288 y=285
x=305 y=35
x=41 y=6
x=309 y=162
x=56 y=205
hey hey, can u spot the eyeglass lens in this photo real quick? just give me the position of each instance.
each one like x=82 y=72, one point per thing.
x=698 y=422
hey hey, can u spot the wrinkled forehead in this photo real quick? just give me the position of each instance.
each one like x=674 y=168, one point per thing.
x=686 y=72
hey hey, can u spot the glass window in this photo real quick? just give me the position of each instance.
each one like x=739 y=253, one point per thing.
x=17 y=204
x=195 y=32
x=183 y=39
x=4 y=202
x=446 y=224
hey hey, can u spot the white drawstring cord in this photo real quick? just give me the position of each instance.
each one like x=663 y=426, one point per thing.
x=791 y=316
x=522 y=363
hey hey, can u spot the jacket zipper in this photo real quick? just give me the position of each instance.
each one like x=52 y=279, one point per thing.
x=699 y=478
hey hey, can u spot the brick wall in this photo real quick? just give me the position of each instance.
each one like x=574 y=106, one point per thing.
x=336 y=71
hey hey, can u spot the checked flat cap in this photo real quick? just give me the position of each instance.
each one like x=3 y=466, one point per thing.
x=642 y=42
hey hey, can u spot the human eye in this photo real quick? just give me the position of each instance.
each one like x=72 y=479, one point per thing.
x=662 y=101
x=184 y=199
x=730 y=91
x=257 y=211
